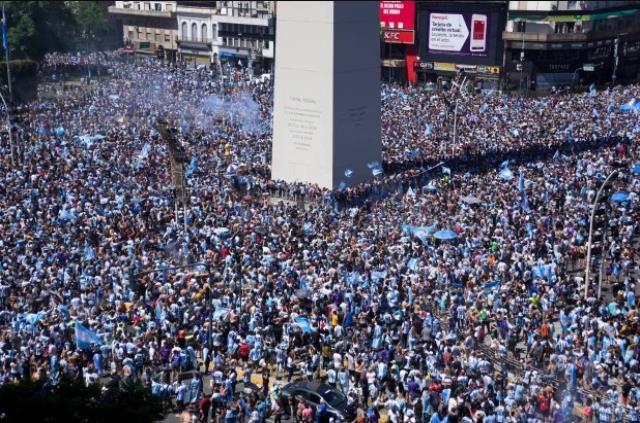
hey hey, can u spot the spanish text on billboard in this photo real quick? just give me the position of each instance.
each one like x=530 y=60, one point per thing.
x=398 y=15
x=469 y=33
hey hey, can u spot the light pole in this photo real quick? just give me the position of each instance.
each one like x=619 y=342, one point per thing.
x=573 y=78
x=581 y=68
x=8 y=124
x=460 y=91
x=593 y=213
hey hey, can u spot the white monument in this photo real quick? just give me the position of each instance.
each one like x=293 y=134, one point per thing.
x=326 y=128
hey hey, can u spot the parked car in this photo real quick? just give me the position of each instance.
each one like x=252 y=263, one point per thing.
x=315 y=392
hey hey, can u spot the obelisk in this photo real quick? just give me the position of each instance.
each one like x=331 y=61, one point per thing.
x=326 y=92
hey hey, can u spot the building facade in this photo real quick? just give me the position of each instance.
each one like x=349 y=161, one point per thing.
x=197 y=31
x=247 y=33
x=239 y=33
x=556 y=43
x=148 y=27
x=398 y=45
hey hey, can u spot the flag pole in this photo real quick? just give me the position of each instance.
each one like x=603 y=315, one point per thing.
x=5 y=44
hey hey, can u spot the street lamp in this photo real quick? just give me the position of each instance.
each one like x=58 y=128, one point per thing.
x=459 y=91
x=575 y=73
x=8 y=124
x=589 y=242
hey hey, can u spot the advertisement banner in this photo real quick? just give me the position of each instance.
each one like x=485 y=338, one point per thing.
x=397 y=14
x=459 y=34
x=400 y=36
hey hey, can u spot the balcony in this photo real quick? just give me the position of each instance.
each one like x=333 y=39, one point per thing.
x=539 y=37
x=198 y=43
x=128 y=11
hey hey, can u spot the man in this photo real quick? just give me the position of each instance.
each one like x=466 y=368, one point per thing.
x=204 y=405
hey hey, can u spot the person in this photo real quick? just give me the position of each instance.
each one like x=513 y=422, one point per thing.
x=204 y=405
x=265 y=381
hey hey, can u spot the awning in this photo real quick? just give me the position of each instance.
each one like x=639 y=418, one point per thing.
x=226 y=54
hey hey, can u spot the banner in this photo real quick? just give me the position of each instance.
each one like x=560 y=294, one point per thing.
x=463 y=34
x=85 y=337
x=397 y=21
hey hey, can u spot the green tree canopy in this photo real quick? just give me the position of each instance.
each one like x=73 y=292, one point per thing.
x=38 y=27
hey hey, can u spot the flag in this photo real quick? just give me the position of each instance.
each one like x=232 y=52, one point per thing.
x=89 y=254
x=592 y=89
x=303 y=323
x=446 y=170
x=556 y=155
x=504 y=165
x=506 y=174
x=193 y=165
x=521 y=181
x=85 y=337
x=144 y=153
x=411 y=192
x=5 y=38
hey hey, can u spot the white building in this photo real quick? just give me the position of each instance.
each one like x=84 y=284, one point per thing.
x=197 y=31
x=148 y=26
x=235 y=32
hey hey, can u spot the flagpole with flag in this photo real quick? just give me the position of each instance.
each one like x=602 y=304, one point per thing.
x=5 y=45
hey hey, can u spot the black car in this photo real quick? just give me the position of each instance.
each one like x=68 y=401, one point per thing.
x=314 y=392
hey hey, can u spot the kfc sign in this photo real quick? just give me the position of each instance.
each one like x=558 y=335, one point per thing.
x=398 y=36
x=397 y=21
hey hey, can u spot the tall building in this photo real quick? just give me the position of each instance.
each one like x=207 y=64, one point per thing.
x=234 y=32
x=148 y=27
x=557 y=43
x=197 y=31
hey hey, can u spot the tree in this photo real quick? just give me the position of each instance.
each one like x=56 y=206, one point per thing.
x=73 y=402
x=89 y=17
x=38 y=27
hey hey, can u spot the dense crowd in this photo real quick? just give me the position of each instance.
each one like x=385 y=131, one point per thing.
x=448 y=288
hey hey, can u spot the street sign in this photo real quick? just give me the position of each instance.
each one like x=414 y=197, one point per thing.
x=588 y=67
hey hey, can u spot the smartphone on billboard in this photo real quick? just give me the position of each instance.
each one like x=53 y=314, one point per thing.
x=478 y=33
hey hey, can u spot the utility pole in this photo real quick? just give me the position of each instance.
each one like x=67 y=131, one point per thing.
x=5 y=44
x=616 y=59
x=14 y=159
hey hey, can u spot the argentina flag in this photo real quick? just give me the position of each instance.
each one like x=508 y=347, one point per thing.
x=85 y=337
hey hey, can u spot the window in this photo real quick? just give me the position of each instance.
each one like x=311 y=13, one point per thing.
x=131 y=35
x=184 y=31
x=194 y=31
x=149 y=36
x=167 y=38
x=214 y=35
x=158 y=7
x=203 y=32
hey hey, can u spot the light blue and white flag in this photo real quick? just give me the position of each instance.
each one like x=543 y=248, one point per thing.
x=85 y=337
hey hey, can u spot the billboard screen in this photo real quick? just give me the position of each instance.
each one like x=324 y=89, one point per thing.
x=397 y=21
x=459 y=34
x=466 y=35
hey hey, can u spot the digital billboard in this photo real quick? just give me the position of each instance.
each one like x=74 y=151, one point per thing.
x=466 y=33
x=397 y=21
x=459 y=34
